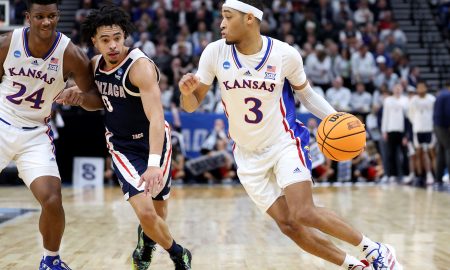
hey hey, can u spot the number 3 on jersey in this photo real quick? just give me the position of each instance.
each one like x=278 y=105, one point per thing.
x=258 y=115
x=108 y=105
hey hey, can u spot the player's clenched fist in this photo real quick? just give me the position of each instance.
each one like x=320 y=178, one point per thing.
x=188 y=83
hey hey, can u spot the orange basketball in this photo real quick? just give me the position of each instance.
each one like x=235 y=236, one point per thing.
x=341 y=136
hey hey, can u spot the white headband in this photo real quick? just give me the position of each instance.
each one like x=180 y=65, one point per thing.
x=243 y=7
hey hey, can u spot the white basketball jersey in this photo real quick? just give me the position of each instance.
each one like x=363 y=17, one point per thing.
x=256 y=90
x=421 y=113
x=30 y=85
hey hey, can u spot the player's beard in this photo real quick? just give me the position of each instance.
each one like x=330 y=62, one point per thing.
x=229 y=42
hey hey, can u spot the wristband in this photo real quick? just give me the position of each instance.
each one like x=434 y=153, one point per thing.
x=154 y=160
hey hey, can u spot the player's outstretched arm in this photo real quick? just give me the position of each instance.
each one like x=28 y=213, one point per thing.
x=144 y=75
x=312 y=101
x=77 y=65
x=192 y=92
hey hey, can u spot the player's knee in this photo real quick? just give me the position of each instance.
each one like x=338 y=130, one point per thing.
x=304 y=216
x=52 y=202
x=287 y=226
x=148 y=216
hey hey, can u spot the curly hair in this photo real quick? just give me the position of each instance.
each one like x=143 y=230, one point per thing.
x=107 y=15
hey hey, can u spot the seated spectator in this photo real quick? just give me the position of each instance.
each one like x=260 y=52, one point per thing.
x=318 y=67
x=363 y=67
x=339 y=96
x=361 y=100
x=146 y=45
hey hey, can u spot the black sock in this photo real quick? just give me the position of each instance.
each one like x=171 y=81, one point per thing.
x=175 y=250
x=148 y=241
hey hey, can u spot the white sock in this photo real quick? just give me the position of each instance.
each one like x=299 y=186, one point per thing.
x=350 y=262
x=367 y=245
x=50 y=253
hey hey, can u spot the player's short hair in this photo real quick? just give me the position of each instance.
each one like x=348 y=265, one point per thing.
x=40 y=2
x=107 y=15
x=255 y=3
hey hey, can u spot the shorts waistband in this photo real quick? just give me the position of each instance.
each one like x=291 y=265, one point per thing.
x=24 y=128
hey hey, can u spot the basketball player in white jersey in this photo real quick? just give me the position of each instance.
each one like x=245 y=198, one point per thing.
x=420 y=113
x=36 y=62
x=256 y=75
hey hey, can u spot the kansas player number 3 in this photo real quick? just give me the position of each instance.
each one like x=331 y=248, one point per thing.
x=255 y=110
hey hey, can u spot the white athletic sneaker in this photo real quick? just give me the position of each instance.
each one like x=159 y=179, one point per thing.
x=366 y=266
x=383 y=258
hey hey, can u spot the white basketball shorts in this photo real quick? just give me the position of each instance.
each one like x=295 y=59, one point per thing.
x=31 y=149
x=265 y=173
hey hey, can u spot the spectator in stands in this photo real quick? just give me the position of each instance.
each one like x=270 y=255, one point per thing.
x=350 y=35
x=339 y=96
x=394 y=132
x=363 y=15
x=146 y=45
x=342 y=67
x=363 y=67
x=166 y=92
x=318 y=67
x=201 y=35
x=441 y=121
x=361 y=100
x=387 y=77
x=414 y=76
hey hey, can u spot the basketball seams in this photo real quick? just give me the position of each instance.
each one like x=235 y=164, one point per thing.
x=333 y=157
x=348 y=135
x=323 y=129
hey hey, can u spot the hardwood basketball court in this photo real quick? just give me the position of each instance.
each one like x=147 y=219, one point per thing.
x=225 y=230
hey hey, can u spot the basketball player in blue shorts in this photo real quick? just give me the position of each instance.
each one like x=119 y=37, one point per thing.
x=36 y=62
x=137 y=135
x=258 y=76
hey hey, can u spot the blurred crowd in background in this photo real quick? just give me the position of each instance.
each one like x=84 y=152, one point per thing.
x=354 y=55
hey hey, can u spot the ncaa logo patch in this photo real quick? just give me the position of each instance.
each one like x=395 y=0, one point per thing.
x=17 y=54
x=226 y=65
x=119 y=74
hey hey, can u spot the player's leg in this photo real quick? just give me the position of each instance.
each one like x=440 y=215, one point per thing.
x=310 y=239
x=37 y=167
x=144 y=251
x=255 y=171
x=129 y=167
x=419 y=155
x=303 y=212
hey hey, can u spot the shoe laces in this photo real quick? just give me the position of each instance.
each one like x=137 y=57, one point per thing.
x=378 y=262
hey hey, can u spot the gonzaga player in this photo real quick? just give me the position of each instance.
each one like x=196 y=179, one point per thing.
x=36 y=62
x=138 y=138
x=256 y=75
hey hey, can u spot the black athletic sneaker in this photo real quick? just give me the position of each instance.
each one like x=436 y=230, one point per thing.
x=142 y=255
x=182 y=262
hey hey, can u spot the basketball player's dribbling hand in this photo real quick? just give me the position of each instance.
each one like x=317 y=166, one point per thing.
x=188 y=84
x=71 y=96
x=153 y=179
